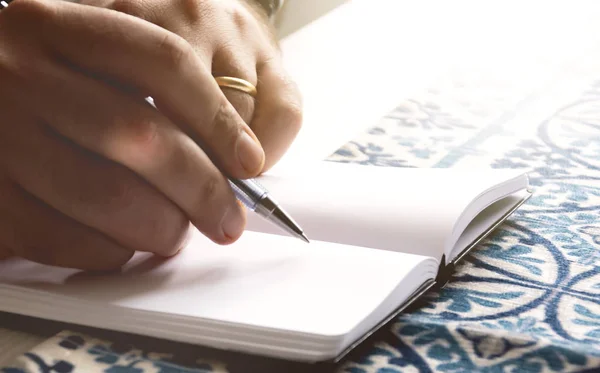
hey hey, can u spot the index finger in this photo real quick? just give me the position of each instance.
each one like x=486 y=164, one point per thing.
x=158 y=63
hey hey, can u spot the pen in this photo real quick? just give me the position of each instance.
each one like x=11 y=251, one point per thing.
x=257 y=199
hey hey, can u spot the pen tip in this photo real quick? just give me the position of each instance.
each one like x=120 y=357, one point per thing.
x=304 y=238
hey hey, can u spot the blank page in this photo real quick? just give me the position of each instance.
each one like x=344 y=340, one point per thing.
x=400 y=209
x=489 y=217
x=262 y=282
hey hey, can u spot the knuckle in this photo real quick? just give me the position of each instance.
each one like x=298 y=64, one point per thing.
x=210 y=190
x=241 y=18
x=173 y=232
x=290 y=106
x=117 y=193
x=225 y=122
x=210 y=206
x=138 y=136
x=164 y=229
x=244 y=105
x=132 y=7
x=244 y=16
x=142 y=132
x=197 y=10
x=176 y=51
x=290 y=112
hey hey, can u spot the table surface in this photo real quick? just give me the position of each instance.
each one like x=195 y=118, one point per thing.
x=528 y=298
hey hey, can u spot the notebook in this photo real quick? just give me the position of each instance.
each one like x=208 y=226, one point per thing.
x=380 y=237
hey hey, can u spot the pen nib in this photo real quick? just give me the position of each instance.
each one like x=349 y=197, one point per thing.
x=304 y=238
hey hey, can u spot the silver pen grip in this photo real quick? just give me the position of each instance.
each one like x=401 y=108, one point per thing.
x=249 y=192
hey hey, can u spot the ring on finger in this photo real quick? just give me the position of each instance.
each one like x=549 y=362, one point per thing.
x=237 y=84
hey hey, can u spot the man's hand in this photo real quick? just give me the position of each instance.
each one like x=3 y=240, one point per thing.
x=232 y=38
x=89 y=172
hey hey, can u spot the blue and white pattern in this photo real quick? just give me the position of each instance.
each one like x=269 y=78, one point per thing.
x=526 y=300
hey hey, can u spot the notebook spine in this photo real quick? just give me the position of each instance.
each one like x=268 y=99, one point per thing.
x=445 y=272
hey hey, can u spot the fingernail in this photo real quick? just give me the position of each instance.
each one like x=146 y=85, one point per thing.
x=234 y=222
x=250 y=153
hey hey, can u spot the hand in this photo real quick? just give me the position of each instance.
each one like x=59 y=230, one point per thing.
x=232 y=38
x=90 y=173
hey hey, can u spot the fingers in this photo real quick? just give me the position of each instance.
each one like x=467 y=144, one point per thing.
x=229 y=62
x=132 y=133
x=225 y=65
x=236 y=37
x=157 y=62
x=278 y=113
x=36 y=232
x=91 y=190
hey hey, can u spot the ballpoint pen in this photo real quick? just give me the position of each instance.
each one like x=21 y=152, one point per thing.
x=257 y=199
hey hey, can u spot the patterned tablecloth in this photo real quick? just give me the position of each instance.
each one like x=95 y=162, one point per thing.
x=526 y=300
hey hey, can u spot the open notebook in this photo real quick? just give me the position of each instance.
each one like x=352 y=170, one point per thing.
x=379 y=238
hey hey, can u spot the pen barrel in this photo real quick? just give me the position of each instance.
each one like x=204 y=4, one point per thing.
x=249 y=192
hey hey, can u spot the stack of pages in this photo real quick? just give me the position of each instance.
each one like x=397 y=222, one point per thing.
x=379 y=237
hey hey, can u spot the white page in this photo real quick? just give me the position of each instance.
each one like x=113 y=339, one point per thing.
x=488 y=218
x=261 y=281
x=399 y=209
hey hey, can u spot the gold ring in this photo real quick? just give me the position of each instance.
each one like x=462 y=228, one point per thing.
x=236 y=83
